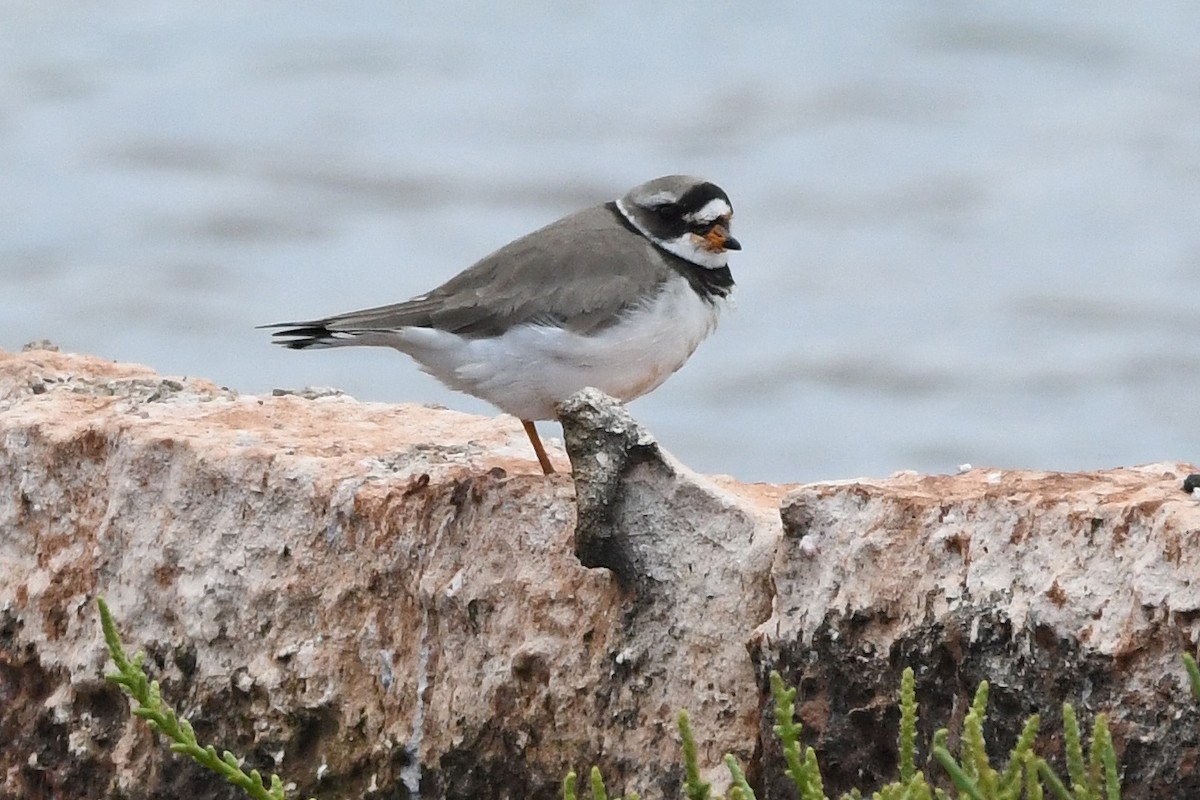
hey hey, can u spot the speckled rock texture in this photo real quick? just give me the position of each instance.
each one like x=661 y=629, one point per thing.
x=386 y=601
x=1054 y=587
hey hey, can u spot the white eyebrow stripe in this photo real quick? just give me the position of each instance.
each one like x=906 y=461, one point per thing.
x=712 y=210
x=657 y=199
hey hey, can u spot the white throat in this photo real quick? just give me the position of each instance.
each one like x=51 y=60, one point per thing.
x=687 y=246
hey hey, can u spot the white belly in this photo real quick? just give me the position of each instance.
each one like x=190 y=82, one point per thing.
x=529 y=370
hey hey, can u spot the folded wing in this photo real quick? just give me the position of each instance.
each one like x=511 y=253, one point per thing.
x=581 y=273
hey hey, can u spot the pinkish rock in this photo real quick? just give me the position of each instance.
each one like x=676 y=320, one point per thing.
x=371 y=599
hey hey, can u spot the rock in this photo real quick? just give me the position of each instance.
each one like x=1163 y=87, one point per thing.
x=384 y=596
x=652 y=521
x=1054 y=587
x=694 y=561
x=374 y=600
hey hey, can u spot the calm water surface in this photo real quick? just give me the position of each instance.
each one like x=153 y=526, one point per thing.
x=970 y=235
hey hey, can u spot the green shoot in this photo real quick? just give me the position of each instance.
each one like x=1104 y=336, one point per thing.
x=131 y=677
x=598 y=790
x=693 y=788
x=1193 y=672
x=740 y=786
x=908 y=725
x=804 y=772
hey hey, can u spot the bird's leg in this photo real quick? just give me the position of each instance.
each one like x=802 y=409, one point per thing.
x=543 y=459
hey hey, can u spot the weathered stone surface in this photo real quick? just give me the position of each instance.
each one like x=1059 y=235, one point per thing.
x=1082 y=588
x=373 y=599
x=693 y=559
x=384 y=596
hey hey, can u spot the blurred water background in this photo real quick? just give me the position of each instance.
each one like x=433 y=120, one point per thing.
x=971 y=231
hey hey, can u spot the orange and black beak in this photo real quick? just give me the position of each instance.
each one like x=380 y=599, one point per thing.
x=718 y=239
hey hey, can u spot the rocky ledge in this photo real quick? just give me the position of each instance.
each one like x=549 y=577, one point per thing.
x=386 y=601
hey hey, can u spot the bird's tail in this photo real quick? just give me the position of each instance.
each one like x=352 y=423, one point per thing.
x=309 y=335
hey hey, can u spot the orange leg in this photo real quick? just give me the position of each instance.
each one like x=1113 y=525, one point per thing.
x=543 y=459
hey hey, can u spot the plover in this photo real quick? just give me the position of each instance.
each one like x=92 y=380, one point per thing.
x=617 y=296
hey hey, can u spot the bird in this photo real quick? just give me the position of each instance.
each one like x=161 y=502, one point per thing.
x=616 y=296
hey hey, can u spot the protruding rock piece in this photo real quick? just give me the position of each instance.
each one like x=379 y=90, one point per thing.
x=690 y=553
x=641 y=513
x=605 y=443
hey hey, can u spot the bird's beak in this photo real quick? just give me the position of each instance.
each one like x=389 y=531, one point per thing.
x=718 y=240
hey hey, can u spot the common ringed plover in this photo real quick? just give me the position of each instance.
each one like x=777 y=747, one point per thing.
x=617 y=296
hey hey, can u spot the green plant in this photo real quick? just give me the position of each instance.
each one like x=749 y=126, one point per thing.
x=1026 y=775
x=132 y=678
x=804 y=772
x=1193 y=673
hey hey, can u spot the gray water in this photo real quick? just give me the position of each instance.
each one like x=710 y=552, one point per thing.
x=971 y=232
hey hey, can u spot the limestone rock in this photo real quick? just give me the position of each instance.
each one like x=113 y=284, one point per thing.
x=1080 y=588
x=386 y=597
x=374 y=600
